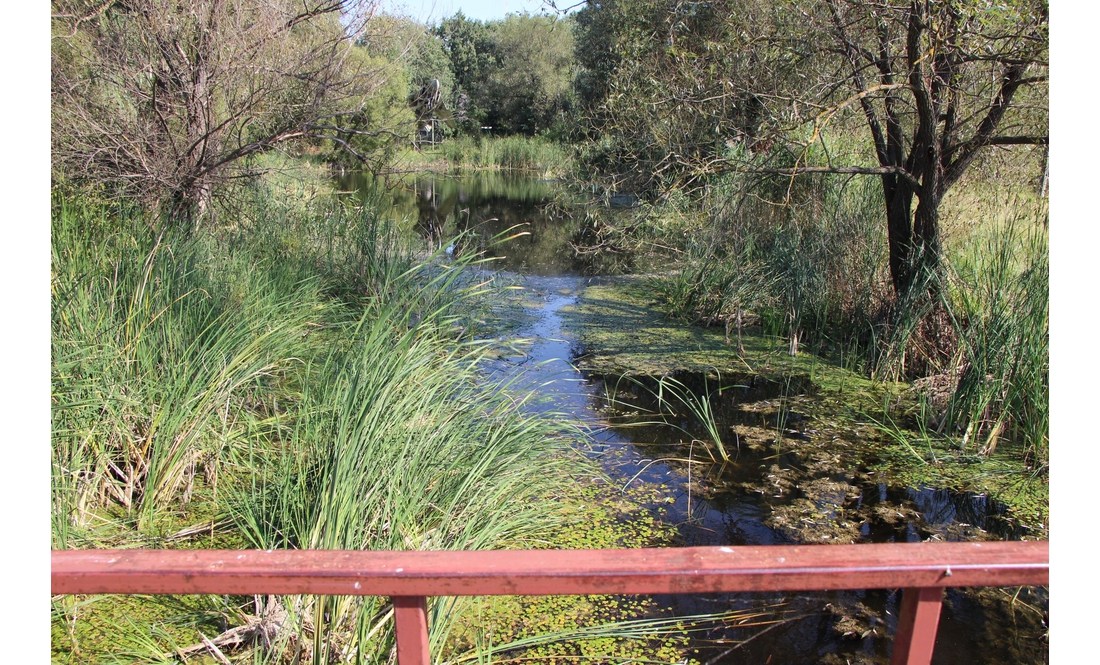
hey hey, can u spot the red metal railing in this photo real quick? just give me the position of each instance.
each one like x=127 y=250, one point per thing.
x=922 y=569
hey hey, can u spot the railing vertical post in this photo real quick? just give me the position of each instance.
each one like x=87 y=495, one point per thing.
x=920 y=617
x=411 y=617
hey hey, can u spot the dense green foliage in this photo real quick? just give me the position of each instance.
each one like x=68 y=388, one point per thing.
x=514 y=75
x=661 y=88
x=531 y=90
x=473 y=55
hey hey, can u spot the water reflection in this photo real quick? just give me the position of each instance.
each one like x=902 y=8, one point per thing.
x=508 y=217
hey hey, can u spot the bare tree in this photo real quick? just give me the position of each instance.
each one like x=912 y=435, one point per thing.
x=937 y=83
x=163 y=99
x=933 y=83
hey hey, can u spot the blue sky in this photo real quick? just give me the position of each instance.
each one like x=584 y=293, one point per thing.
x=431 y=11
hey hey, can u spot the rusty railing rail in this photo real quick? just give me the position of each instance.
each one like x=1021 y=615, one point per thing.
x=923 y=570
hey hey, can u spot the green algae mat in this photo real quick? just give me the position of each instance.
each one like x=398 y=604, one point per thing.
x=857 y=423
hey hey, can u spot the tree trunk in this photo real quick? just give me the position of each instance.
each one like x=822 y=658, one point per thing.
x=191 y=204
x=914 y=236
x=899 y=202
x=925 y=261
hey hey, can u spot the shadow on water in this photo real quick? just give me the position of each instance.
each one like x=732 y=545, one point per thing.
x=762 y=427
x=789 y=477
x=471 y=214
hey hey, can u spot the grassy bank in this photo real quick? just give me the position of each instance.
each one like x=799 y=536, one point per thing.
x=536 y=155
x=303 y=382
x=806 y=260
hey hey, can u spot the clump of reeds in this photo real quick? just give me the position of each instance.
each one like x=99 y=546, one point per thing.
x=156 y=341
x=1003 y=315
x=518 y=152
x=805 y=264
x=398 y=447
x=718 y=287
x=988 y=338
x=310 y=380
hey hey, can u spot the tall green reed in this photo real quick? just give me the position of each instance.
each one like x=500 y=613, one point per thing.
x=401 y=443
x=1000 y=305
x=803 y=257
x=510 y=152
x=154 y=340
x=985 y=330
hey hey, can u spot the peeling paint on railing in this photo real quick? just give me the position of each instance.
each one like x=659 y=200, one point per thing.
x=922 y=569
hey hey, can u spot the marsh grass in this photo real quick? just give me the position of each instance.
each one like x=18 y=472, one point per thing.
x=153 y=342
x=806 y=260
x=401 y=447
x=800 y=258
x=536 y=155
x=302 y=381
x=510 y=152
x=1006 y=304
x=981 y=345
x=715 y=287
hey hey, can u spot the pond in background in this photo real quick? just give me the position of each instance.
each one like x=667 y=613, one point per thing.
x=476 y=213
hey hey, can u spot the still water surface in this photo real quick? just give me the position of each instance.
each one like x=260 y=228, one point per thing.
x=723 y=506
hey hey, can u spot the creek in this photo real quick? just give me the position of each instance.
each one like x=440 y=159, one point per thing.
x=787 y=480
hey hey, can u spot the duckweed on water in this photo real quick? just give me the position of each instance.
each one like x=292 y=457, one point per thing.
x=596 y=516
x=842 y=428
